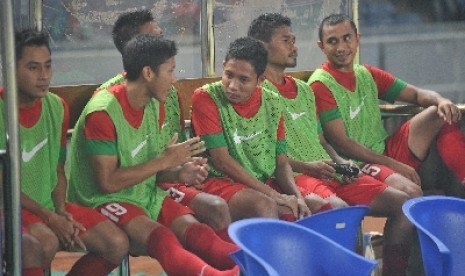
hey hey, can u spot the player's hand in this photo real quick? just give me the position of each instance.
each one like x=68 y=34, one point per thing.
x=304 y=211
x=289 y=201
x=320 y=169
x=176 y=154
x=407 y=171
x=194 y=172
x=66 y=229
x=448 y=111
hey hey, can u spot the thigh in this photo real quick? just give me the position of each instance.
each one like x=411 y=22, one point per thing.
x=362 y=191
x=398 y=146
x=223 y=187
x=171 y=211
x=87 y=216
x=180 y=192
x=424 y=128
x=310 y=185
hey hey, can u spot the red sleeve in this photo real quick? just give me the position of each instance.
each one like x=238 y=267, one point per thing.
x=205 y=116
x=65 y=124
x=99 y=126
x=323 y=96
x=383 y=79
x=281 y=133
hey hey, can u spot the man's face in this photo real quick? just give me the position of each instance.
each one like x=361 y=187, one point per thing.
x=239 y=80
x=282 y=51
x=151 y=28
x=339 y=44
x=33 y=74
x=163 y=80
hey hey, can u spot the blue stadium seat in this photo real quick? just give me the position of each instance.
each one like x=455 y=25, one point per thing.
x=340 y=225
x=274 y=247
x=440 y=223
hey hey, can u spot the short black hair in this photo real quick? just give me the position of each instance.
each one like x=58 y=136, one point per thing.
x=30 y=38
x=334 y=19
x=251 y=50
x=128 y=25
x=263 y=26
x=146 y=50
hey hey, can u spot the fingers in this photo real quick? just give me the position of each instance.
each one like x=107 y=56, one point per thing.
x=449 y=113
x=173 y=139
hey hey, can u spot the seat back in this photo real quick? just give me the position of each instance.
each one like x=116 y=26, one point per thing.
x=340 y=225
x=273 y=247
x=440 y=223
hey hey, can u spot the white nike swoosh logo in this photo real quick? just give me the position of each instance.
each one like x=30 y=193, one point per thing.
x=135 y=151
x=296 y=116
x=238 y=138
x=354 y=113
x=28 y=155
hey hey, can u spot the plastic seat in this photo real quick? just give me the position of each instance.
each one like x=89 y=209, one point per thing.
x=340 y=225
x=440 y=223
x=274 y=247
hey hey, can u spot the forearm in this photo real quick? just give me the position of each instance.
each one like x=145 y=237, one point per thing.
x=169 y=176
x=285 y=178
x=357 y=151
x=235 y=171
x=59 y=193
x=113 y=178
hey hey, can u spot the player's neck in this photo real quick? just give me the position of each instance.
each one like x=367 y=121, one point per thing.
x=274 y=74
x=138 y=94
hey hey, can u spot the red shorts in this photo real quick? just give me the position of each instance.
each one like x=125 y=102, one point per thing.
x=223 y=187
x=396 y=148
x=88 y=217
x=180 y=192
x=362 y=191
x=122 y=212
x=306 y=185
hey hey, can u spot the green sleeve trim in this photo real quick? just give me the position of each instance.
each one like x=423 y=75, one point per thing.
x=62 y=157
x=329 y=115
x=101 y=147
x=214 y=141
x=319 y=129
x=281 y=147
x=394 y=91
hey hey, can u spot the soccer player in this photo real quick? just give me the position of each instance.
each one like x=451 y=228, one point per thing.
x=347 y=101
x=308 y=151
x=46 y=215
x=243 y=130
x=32 y=254
x=118 y=160
x=208 y=209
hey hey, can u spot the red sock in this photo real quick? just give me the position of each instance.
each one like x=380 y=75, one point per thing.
x=91 y=264
x=163 y=246
x=202 y=240
x=33 y=271
x=325 y=207
x=395 y=259
x=288 y=217
x=451 y=147
x=223 y=234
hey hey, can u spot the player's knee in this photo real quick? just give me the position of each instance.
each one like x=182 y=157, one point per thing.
x=117 y=247
x=265 y=207
x=32 y=253
x=50 y=246
x=218 y=213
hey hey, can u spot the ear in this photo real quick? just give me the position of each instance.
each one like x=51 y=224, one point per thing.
x=320 y=44
x=261 y=79
x=147 y=73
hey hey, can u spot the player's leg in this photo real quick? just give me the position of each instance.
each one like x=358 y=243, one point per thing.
x=107 y=245
x=32 y=256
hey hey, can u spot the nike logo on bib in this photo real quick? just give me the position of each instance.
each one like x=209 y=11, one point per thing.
x=135 y=151
x=296 y=116
x=354 y=113
x=238 y=138
x=28 y=155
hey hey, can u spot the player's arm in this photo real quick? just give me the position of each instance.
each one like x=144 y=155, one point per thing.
x=111 y=177
x=447 y=110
